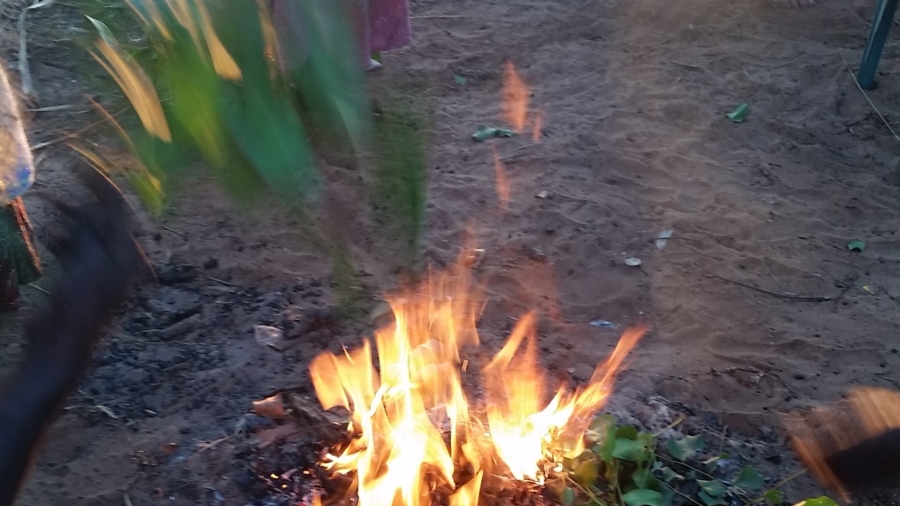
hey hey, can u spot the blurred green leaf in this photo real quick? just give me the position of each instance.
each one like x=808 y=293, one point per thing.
x=685 y=448
x=739 y=114
x=643 y=497
x=711 y=500
x=586 y=473
x=774 y=496
x=749 y=479
x=818 y=501
x=712 y=487
x=670 y=475
x=631 y=450
x=627 y=432
x=567 y=498
x=484 y=133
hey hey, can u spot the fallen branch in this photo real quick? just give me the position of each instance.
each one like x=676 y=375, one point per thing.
x=781 y=295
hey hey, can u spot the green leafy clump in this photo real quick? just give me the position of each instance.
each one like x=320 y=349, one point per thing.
x=215 y=82
x=625 y=466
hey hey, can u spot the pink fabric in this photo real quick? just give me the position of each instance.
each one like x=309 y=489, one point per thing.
x=380 y=25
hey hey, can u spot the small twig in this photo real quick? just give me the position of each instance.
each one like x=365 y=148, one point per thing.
x=682 y=494
x=784 y=295
x=127 y=499
x=692 y=468
x=24 y=70
x=684 y=65
x=221 y=281
x=182 y=234
x=210 y=445
x=53 y=108
x=440 y=16
x=791 y=477
x=866 y=95
x=670 y=426
x=32 y=285
x=591 y=495
x=74 y=134
x=722 y=440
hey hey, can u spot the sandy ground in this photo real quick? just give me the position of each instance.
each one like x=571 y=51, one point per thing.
x=635 y=141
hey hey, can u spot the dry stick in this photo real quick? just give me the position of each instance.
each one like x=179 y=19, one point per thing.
x=24 y=71
x=784 y=295
x=440 y=16
x=182 y=234
x=866 y=95
x=74 y=134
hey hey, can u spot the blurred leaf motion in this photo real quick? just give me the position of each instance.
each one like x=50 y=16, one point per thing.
x=213 y=78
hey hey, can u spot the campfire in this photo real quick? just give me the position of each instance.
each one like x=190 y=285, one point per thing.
x=416 y=434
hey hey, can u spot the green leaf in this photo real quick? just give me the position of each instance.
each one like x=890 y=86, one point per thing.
x=627 y=432
x=818 y=501
x=739 y=114
x=484 y=133
x=774 y=496
x=685 y=448
x=631 y=450
x=711 y=500
x=669 y=475
x=643 y=478
x=712 y=487
x=749 y=479
x=643 y=497
x=856 y=245
x=609 y=446
x=567 y=498
x=586 y=473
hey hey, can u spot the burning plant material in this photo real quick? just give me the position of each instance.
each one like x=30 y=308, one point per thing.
x=414 y=433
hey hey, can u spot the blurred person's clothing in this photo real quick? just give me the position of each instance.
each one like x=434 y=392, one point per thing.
x=379 y=25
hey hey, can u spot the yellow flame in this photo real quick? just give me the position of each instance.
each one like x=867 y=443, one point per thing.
x=401 y=412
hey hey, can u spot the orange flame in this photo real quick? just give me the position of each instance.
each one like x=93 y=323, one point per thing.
x=537 y=127
x=502 y=182
x=401 y=412
x=515 y=98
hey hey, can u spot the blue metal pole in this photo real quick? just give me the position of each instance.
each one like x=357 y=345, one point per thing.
x=881 y=26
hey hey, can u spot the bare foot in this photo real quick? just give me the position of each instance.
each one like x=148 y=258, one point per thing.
x=795 y=4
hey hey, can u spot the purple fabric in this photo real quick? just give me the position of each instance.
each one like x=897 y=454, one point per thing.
x=388 y=25
x=380 y=25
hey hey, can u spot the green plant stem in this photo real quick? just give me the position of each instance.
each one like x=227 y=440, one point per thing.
x=793 y=476
x=692 y=468
x=587 y=492
x=682 y=494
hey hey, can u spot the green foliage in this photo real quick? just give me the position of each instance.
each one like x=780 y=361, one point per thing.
x=399 y=191
x=819 y=501
x=684 y=449
x=749 y=479
x=623 y=467
x=201 y=81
